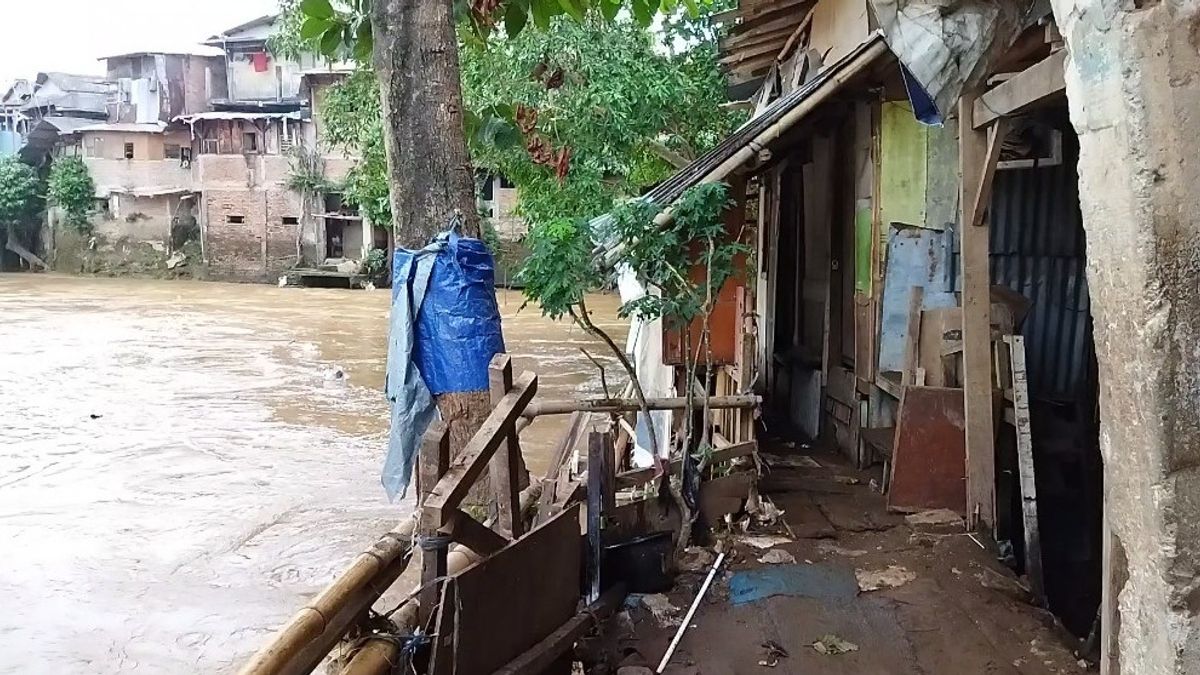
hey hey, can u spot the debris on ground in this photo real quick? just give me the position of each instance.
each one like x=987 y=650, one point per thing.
x=924 y=539
x=935 y=519
x=834 y=645
x=789 y=461
x=696 y=559
x=1013 y=588
x=773 y=651
x=660 y=607
x=829 y=548
x=762 y=541
x=634 y=670
x=777 y=556
x=177 y=258
x=846 y=480
x=892 y=577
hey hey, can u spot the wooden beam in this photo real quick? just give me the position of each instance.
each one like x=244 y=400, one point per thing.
x=542 y=655
x=791 y=41
x=433 y=461
x=467 y=467
x=637 y=477
x=1025 y=469
x=976 y=313
x=991 y=158
x=562 y=452
x=505 y=466
x=473 y=534
x=619 y=405
x=1023 y=90
x=601 y=500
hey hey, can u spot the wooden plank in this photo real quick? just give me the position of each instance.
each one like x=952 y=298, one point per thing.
x=941 y=330
x=433 y=461
x=600 y=500
x=512 y=600
x=976 y=308
x=1027 y=88
x=1025 y=467
x=562 y=452
x=466 y=468
x=983 y=195
x=441 y=656
x=545 y=653
x=792 y=39
x=928 y=453
x=916 y=298
x=473 y=534
x=505 y=467
x=638 y=477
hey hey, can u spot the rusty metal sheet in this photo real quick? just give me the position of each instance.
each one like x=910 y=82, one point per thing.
x=929 y=456
x=512 y=600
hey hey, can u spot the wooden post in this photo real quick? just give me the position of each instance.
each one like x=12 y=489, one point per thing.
x=505 y=467
x=433 y=462
x=600 y=500
x=976 y=318
x=1024 y=427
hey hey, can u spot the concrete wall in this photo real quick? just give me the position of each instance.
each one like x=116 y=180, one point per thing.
x=146 y=146
x=1132 y=85
x=137 y=219
x=280 y=80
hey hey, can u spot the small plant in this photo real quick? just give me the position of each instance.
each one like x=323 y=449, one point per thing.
x=374 y=266
x=683 y=262
x=71 y=189
x=18 y=193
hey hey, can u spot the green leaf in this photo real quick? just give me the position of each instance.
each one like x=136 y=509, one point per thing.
x=543 y=11
x=331 y=40
x=312 y=27
x=643 y=11
x=516 y=15
x=364 y=42
x=317 y=9
x=609 y=9
x=573 y=7
x=693 y=8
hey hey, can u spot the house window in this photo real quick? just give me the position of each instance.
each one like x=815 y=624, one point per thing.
x=487 y=191
x=506 y=184
x=185 y=156
x=249 y=142
x=235 y=220
x=291 y=220
x=129 y=151
x=209 y=146
x=172 y=151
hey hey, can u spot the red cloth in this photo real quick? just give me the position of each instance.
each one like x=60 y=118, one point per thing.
x=260 y=61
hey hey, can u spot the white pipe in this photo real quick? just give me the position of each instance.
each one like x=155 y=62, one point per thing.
x=687 y=620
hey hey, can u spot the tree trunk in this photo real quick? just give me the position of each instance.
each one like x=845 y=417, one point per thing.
x=416 y=60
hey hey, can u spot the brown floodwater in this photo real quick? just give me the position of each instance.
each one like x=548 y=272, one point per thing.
x=180 y=469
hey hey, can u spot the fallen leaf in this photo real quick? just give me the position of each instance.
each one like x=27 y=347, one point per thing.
x=833 y=645
x=892 y=577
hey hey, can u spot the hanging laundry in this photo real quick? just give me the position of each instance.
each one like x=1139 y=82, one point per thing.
x=260 y=61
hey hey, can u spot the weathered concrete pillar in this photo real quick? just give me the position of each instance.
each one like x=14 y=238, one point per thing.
x=1133 y=80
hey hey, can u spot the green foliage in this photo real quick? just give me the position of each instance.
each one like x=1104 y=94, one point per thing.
x=560 y=270
x=70 y=188
x=344 y=29
x=374 y=265
x=306 y=172
x=353 y=120
x=18 y=192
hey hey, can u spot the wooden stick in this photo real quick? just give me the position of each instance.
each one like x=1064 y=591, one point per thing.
x=540 y=656
x=562 y=451
x=639 y=476
x=466 y=468
x=791 y=41
x=505 y=466
x=600 y=500
x=434 y=460
x=540 y=408
x=1029 y=507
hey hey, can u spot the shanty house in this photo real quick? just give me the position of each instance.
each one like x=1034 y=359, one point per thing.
x=254 y=75
x=917 y=296
x=160 y=86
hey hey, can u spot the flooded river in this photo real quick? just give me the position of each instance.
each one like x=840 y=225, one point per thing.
x=180 y=468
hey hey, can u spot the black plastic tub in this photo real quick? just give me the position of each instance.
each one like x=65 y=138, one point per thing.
x=641 y=563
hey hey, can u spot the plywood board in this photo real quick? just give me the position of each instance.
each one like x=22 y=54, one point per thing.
x=512 y=600
x=839 y=26
x=941 y=329
x=929 y=454
x=902 y=165
x=915 y=257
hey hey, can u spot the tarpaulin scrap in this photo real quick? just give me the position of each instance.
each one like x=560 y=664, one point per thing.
x=443 y=332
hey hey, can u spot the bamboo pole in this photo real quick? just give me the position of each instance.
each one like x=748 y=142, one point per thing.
x=618 y=405
x=378 y=655
x=325 y=617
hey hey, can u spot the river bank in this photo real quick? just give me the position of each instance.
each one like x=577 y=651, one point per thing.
x=181 y=465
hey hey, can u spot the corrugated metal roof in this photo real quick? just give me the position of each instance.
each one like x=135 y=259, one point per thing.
x=127 y=127
x=671 y=189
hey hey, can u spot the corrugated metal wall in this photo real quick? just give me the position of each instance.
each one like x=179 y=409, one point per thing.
x=1038 y=250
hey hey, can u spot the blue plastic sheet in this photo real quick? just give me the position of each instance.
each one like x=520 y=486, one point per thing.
x=444 y=330
x=458 y=327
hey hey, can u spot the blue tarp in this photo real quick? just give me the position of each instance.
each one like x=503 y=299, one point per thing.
x=443 y=332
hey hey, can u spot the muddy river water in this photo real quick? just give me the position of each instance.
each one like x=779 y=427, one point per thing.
x=180 y=468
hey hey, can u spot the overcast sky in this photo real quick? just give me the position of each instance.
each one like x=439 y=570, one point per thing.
x=69 y=35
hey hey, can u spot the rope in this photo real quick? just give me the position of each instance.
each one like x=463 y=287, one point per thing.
x=434 y=542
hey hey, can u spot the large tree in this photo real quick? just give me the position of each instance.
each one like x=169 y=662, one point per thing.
x=413 y=46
